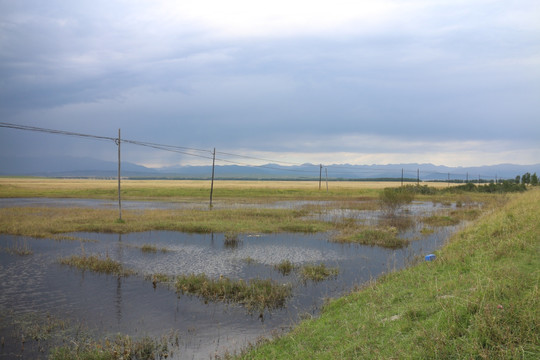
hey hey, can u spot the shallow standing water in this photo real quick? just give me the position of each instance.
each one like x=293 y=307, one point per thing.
x=107 y=304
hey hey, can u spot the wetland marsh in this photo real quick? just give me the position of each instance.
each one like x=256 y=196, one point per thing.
x=146 y=296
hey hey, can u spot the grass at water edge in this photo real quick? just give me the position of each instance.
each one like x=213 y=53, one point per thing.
x=479 y=299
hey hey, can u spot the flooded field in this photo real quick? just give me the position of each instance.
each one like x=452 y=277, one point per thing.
x=35 y=286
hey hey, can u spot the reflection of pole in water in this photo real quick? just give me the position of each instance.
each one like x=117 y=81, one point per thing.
x=119 y=282
x=120 y=248
x=119 y=299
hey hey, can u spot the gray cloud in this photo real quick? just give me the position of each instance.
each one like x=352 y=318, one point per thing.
x=440 y=73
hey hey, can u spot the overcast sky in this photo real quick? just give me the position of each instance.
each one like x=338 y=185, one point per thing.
x=452 y=82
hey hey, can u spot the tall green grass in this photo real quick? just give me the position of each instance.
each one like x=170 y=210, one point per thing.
x=478 y=300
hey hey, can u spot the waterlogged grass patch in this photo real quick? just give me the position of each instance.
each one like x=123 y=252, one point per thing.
x=453 y=217
x=440 y=220
x=232 y=240
x=19 y=248
x=427 y=231
x=285 y=267
x=118 y=347
x=48 y=222
x=96 y=264
x=149 y=248
x=379 y=236
x=317 y=272
x=255 y=294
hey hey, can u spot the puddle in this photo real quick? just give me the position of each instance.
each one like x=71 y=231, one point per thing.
x=110 y=304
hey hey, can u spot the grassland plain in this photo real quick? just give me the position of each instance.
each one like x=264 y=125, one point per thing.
x=175 y=190
x=478 y=300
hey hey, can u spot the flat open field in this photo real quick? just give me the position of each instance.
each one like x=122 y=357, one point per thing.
x=176 y=189
x=259 y=228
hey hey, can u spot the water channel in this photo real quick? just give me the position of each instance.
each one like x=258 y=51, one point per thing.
x=105 y=305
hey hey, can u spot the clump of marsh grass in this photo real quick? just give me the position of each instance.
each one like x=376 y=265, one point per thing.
x=255 y=294
x=317 y=272
x=440 y=220
x=96 y=264
x=232 y=240
x=374 y=236
x=149 y=248
x=119 y=347
x=427 y=231
x=453 y=217
x=159 y=278
x=285 y=267
x=393 y=199
x=249 y=260
x=19 y=248
x=399 y=222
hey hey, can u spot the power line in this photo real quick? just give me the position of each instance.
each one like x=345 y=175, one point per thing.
x=202 y=154
x=258 y=158
x=53 y=131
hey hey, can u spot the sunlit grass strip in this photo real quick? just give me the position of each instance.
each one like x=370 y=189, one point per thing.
x=478 y=300
x=379 y=236
x=317 y=272
x=255 y=294
x=96 y=264
x=170 y=190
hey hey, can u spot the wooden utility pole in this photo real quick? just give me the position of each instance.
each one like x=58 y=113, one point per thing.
x=212 y=184
x=401 y=176
x=326 y=171
x=320 y=176
x=119 y=196
x=417 y=176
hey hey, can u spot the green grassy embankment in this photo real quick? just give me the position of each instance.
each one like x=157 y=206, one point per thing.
x=478 y=299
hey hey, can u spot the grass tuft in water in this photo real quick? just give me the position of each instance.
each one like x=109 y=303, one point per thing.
x=149 y=248
x=255 y=294
x=19 y=248
x=378 y=236
x=285 y=267
x=232 y=240
x=119 y=347
x=317 y=272
x=96 y=264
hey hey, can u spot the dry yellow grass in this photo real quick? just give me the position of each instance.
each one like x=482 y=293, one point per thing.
x=70 y=184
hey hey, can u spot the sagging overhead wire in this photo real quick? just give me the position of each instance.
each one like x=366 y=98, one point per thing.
x=171 y=148
x=53 y=131
x=207 y=154
x=259 y=158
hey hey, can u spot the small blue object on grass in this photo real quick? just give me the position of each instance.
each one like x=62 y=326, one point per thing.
x=430 y=257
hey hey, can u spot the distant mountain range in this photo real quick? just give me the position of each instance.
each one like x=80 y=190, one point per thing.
x=88 y=167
